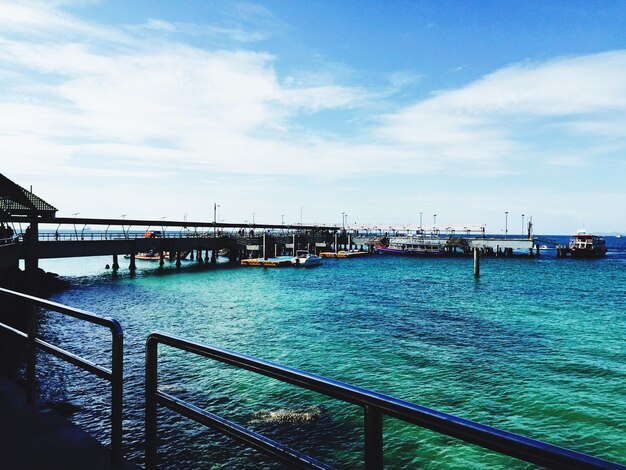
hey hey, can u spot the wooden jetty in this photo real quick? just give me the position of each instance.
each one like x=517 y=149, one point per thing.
x=267 y=263
x=343 y=254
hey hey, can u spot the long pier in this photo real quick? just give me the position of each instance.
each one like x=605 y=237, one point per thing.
x=203 y=241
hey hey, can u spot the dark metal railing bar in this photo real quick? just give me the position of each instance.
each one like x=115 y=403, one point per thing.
x=373 y=422
x=495 y=439
x=237 y=432
x=114 y=375
x=4 y=326
x=69 y=311
x=72 y=358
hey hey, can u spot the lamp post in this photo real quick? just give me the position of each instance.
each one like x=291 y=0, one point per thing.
x=282 y=218
x=74 y=214
x=300 y=215
x=343 y=218
x=215 y=206
x=522 y=225
x=506 y=223
x=253 y=214
x=434 y=220
x=420 y=221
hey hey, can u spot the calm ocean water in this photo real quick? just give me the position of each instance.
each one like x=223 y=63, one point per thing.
x=535 y=346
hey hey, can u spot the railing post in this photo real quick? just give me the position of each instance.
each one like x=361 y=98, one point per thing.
x=31 y=356
x=151 y=405
x=117 y=381
x=373 y=438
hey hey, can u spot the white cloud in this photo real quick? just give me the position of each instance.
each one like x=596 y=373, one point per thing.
x=118 y=103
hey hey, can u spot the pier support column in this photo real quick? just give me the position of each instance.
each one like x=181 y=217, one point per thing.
x=31 y=262
x=294 y=249
x=476 y=263
x=116 y=264
x=161 y=259
x=132 y=266
x=199 y=255
x=336 y=243
x=178 y=259
x=537 y=246
x=213 y=256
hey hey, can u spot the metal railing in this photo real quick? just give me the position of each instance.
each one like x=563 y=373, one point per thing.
x=113 y=375
x=375 y=406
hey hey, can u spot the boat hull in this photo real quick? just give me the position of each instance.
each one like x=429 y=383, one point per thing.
x=382 y=250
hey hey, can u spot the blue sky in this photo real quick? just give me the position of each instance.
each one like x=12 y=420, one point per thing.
x=381 y=110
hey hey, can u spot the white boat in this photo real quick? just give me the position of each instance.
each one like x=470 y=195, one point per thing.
x=306 y=259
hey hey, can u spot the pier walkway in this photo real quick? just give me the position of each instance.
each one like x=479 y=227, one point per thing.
x=37 y=437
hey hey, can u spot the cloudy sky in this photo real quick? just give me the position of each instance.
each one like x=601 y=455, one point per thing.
x=381 y=110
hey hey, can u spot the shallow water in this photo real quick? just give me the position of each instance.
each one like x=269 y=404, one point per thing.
x=535 y=346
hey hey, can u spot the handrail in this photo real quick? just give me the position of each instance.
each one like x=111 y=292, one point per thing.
x=375 y=405
x=113 y=375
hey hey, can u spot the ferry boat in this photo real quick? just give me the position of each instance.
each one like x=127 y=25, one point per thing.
x=585 y=245
x=413 y=246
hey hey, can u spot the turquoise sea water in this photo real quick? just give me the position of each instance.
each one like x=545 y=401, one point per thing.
x=535 y=346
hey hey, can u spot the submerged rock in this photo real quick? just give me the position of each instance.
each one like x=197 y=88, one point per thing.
x=288 y=415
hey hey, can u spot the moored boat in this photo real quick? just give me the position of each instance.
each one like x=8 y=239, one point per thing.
x=413 y=246
x=586 y=245
x=305 y=259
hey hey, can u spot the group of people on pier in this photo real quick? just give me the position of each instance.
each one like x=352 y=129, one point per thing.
x=6 y=233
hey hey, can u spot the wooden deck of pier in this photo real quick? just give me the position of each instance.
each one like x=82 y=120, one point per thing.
x=267 y=263
x=36 y=437
x=343 y=254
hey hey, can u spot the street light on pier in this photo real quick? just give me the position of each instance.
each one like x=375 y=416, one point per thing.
x=420 y=221
x=345 y=224
x=215 y=206
x=522 y=225
x=506 y=223
x=74 y=214
x=434 y=220
x=253 y=214
x=282 y=219
x=343 y=218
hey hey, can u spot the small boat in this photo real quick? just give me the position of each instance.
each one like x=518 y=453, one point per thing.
x=585 y=245
x=305 y=259
x=150 y=255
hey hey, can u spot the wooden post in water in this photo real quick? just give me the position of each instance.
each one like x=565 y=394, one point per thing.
x=264 y=246
x=132 y=267
x=178 y=259
x=161 y=258
x=116 y=264
x=476 y=263
x=336 y=242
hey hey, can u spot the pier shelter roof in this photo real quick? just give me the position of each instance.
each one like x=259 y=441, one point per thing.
x=15 y=200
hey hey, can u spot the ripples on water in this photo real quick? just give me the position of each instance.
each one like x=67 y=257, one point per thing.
x=536 y=347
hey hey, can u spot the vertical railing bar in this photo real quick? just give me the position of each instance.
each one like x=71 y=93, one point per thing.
x=117 y=388
x=151 y=404
x=373 y=421
x=31 y=356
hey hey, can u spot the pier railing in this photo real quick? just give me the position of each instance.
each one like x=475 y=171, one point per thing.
x=375 y=406
x=113 y=375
